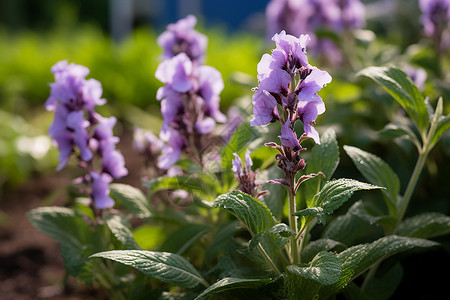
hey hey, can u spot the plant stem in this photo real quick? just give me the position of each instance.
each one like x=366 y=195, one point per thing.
x=411 y=185
x=293 y=223
x=268 y=259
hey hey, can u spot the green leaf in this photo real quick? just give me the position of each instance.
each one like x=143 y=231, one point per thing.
x=336 y=192
x=122 y=233
x=400 y=86
x=362 y=229
x=280 y=234
x=254 y=215
x=383 y=285
x=277 y=196
x=305 y=282
x=328 y=148
x=400 y=130
x=168 y=267
x=231 y=283
x=314 y=247
x=183 y=238
x=425 y=226
x=73 y=234
x=58 y=223
x=359 y=258
x=132 y=198
x=222 y=240
x=443 y=125
x=377 y=172
x=202 y=186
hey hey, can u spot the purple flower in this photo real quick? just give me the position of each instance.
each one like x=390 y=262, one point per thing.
x=175 y=73
x=172 y=150
x=113 y=162
x=308 y=112
x=210 y=85
x=288 y=137
x=263 y=106
x=236 y=164
x=72 y=89
x=277 y=74
x=181 y=37
x=145 y=141
x=436 y=14
x=313 y=83
x=100 y=190
x=77 y=124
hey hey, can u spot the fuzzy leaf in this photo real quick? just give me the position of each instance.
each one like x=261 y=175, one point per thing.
x=305 y=282
x=168 y=267
x=73 y=234
x=338 y=191
x=359 y=258
x=400 y=86
x=132 y=198
x=328 y=148
x=377 y=172
x=230 y=283
x=122 y=233
x=314 y=247
x=183 y=238
x=251 y=212
x=425 y=226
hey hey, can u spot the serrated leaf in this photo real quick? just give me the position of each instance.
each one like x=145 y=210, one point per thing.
x=183 y=238
x=280 y=234
x=73 y=234
x=314 y=247
x=132 y=198
x=401 y=88
x=336 y=192
x=377 y=172
x=362 y=230
x=168 y=267
x=230 y=283
x=328 y=148
x=425 y=226
x=122 y=233
x=58 y=223
x=254 y=215
x=305 y=282
x=359 y=258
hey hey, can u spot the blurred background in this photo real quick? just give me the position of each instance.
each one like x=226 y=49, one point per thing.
x=116 y=40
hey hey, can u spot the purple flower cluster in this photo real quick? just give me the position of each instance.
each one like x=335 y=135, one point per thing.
x=78 y=128
x=436 y=21
x=190 y=97
x=244 y=174
x=435 y=15
x=287 y=92
x=288 y=81
x=307 y=16
x=182 y=38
